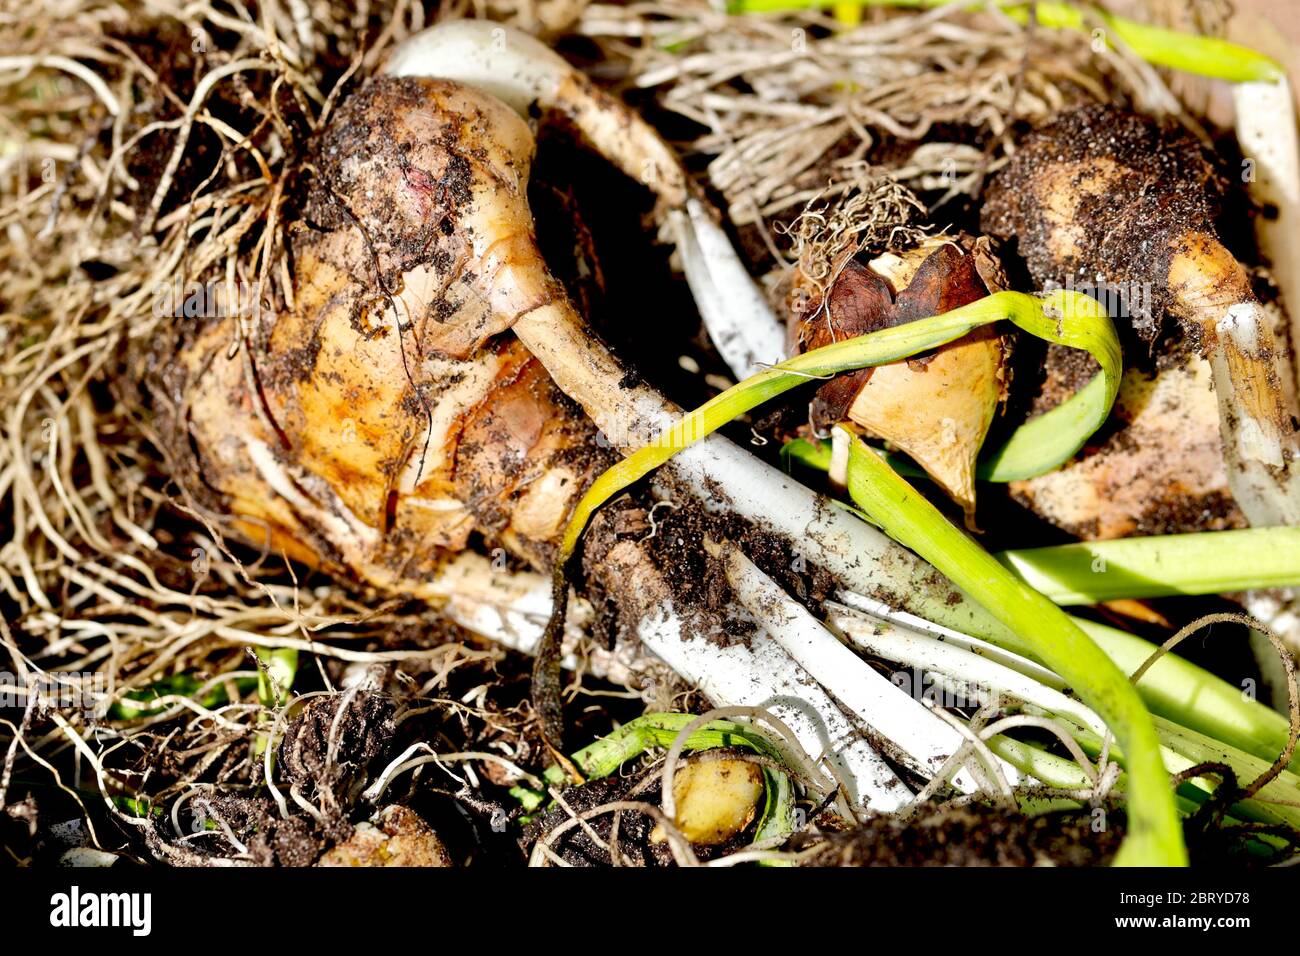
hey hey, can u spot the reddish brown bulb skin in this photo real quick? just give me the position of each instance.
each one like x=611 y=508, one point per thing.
x=938 y=407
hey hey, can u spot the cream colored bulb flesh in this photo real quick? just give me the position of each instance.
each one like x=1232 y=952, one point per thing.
x=938 y=415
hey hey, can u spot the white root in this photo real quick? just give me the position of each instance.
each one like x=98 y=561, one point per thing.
x=877 y=610
x=755 y=673
x=901 y=644
x=523 y=72
x=1262 y=456
x=1266 y=130
x=1263 y=468
x=1008 y=675
x=916 y=736
x=741 y=324
x=728 y=479
x=513 y=609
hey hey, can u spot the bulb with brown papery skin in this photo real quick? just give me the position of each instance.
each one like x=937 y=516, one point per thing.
x=937 y=408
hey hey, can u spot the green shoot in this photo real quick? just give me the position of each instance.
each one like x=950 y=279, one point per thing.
x=276 y=669
x=801 y=451
x=1155 y=835
x=1207 y=562
x=1041 y=692
x=1174 y=688
x=148 y=701
x=1088 y=572
x=1064 y=317
x=1183 y=693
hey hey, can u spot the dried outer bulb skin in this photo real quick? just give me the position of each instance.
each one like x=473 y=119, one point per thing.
x=1102 y=195
x=937 y=408
x=376 y=424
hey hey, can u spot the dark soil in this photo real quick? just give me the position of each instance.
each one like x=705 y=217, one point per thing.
x=975 y=835
x=1160 y=185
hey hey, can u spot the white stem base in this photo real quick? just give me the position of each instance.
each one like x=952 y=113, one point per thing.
x=1266 y=130
x=916 y=737
x=741 y=325
x=756 y=672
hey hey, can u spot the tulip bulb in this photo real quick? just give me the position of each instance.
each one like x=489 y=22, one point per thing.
x=938 y=407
